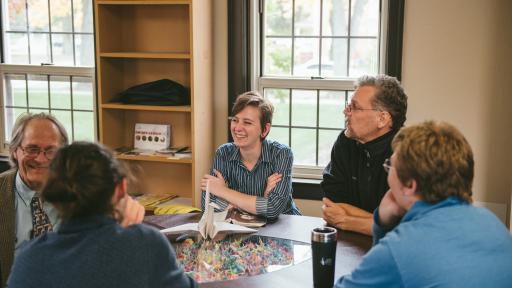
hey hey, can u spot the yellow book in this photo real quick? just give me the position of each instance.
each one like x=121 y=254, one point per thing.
x=175 y=209
x=150 y=201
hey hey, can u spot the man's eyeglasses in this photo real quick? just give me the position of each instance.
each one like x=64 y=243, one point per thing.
x=353 y=108
x=387 y=165
x=33 y=151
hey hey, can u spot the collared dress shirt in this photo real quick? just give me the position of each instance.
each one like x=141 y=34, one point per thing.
x=447 y=244
x=275 y=157
x=23 y=196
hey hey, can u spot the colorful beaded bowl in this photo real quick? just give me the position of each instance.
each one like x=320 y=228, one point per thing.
x=238 y=256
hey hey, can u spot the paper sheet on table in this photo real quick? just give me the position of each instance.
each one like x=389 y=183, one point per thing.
x=211 y=222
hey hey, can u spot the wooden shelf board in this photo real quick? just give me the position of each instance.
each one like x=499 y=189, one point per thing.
x=142 y=2
x=155 y=159
x=147 y=55
x=121 y=106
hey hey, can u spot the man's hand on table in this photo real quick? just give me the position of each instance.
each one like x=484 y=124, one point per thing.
x=347 y=217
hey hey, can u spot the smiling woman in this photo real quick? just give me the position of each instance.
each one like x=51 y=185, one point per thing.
x=252 y=173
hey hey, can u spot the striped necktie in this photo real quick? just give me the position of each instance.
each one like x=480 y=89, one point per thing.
x=40 y=221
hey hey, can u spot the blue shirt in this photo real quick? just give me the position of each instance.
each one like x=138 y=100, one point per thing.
x=275 y=157
x=448 y=244
x=23 y=196
x=97 y=252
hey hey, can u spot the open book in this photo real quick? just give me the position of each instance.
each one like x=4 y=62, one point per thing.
x=246 y=219
x=211 y=222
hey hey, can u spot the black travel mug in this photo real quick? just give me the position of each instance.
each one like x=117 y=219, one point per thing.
x=323 y=245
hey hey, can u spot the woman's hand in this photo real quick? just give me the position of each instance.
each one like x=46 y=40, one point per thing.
x=272 y=181
x=216 y=184
x=390 y=212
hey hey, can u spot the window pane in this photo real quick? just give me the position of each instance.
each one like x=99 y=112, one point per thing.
x=15 y=90
x=60 y=92
x=335 y=18
x=11 y=114
x=278 y=17
x=36 y=110
x=38 y=91
x=84 y=49
x=16 y=15
x=40 y=48
x=306 y=58
x=62 y=48
x=38 y=15
x=280 y=135
x=334 y=57
x=85 y=130
x=365 y=18
x=304 y=108
x=332 y=104
x=307 y=17
x=278 y=56
x=82 y=16
x=326 y=139
x=64 y=117
x=82 y=93
x=280 y=98
x=16 y=48
x=61 y=15
x=363 y=57
x=304 y=146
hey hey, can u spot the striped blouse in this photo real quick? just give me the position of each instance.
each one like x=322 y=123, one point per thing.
x=275 y=157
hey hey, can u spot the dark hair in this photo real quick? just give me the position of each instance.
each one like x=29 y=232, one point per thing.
x=82 y=179
x=438 y=157
x=18 y=132
x=390 y=96
x=254 y=99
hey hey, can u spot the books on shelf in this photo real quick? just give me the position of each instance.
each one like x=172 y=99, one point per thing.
x=184 y=153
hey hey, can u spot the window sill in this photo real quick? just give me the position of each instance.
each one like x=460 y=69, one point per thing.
x=308 y=189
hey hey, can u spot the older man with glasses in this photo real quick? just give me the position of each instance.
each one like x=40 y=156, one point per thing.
x=354 y=182
x=34 y=142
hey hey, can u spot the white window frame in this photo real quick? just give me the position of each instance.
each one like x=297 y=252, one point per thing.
x=46 y=70
x=259 y=83
x=41 y=70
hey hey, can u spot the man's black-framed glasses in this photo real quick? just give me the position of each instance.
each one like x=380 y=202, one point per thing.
x=33 y=151
x=387 y=165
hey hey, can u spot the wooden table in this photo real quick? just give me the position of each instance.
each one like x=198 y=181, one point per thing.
x=350 y=249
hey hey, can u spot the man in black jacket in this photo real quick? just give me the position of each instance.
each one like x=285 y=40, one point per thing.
x=354 y=181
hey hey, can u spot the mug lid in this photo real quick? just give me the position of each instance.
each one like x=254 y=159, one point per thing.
x=323 y=234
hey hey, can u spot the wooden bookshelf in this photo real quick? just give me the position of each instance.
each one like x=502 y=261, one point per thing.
x=141 y=41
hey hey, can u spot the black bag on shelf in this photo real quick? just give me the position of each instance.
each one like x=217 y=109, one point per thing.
x=163 y=92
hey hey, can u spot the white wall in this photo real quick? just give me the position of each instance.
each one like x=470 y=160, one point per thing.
x=456 y=67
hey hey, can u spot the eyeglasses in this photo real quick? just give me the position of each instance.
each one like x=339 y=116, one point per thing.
x=33 y=152
x=387 y=165
x=353 y=108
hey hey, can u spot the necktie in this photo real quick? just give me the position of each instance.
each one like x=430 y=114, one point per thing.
x=40 y=221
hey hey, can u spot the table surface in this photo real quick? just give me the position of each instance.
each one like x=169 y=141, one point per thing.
x=349 y=251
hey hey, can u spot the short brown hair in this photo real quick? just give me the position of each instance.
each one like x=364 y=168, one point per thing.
x=82 y=179
x=18 y=132
x=438 y=157
x=254 y=99
x=390 y=96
